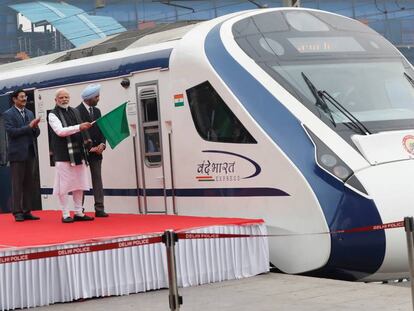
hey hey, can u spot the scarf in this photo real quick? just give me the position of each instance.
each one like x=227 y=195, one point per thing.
x=71 y=146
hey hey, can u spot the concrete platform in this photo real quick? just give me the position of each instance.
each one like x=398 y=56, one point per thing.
x=271 y=292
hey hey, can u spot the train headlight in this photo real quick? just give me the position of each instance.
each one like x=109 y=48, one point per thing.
x=328 y=160
x=332 y=164
x=341 y=172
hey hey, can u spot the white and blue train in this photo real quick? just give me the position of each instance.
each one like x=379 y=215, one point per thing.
x=300 y=117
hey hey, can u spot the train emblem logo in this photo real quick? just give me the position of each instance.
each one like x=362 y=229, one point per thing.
x=226 y=170
x=408 y=143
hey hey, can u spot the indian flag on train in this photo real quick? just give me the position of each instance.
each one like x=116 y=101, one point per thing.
x=114 y=125
x=178 y=100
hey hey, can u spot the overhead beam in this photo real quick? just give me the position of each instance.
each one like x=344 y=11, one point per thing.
x=292 y=3
x=261 y=6
x=168 y=2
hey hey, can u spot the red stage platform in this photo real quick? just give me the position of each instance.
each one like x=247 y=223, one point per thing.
x=49 y=230
x=45 y=261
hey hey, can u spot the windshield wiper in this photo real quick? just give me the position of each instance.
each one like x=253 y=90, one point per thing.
x=323 y=96
x=409 y=79
x=320 y=101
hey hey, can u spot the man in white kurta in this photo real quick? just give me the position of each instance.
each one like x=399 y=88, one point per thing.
x=71 y=174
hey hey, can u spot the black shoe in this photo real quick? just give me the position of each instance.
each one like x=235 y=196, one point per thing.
x=82 y=218
x=67 y=220
x=19 y=217
x=29 y=216
x=101 y=214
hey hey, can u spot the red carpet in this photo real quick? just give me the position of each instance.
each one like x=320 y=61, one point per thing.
x=49 y=230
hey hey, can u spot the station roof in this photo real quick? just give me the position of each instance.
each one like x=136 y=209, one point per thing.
x=73 y=23
x=130 y=39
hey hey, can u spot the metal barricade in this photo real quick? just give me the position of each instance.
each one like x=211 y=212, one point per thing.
x=409 y=231
x=169 y=238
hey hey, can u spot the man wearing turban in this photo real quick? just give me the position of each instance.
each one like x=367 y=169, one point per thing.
x=89 y=113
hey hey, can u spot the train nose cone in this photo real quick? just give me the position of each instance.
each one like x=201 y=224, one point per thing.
x=391 y=186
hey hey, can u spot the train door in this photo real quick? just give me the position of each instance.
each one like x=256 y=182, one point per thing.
x=5 y=188
x=36 y=196
x=152 y=185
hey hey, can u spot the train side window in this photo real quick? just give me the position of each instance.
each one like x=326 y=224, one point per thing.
x=213 y=119
x=150 y=110
x=150 y=126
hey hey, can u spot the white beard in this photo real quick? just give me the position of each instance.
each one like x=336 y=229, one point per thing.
x=64 y=106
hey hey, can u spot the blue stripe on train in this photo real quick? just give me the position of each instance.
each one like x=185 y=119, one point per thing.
x=190 y=192
x=351 y=256
x=90 y=71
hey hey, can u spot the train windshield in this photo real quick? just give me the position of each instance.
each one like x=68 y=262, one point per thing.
x=358 y=69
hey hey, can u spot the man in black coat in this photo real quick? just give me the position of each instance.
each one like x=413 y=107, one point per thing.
x=89 y=113
x=22 y=130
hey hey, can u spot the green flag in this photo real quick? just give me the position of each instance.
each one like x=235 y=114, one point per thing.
x=114 y=125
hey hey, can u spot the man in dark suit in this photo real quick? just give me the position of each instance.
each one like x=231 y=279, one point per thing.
x=89 y=113
x=22 y=130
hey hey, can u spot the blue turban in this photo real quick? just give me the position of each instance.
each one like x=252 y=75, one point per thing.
x=91 y=91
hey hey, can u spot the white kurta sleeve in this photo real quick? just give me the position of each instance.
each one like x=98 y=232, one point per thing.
x=58 y=128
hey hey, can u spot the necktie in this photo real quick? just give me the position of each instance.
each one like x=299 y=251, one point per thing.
x=91 y=113
x=22 y=113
